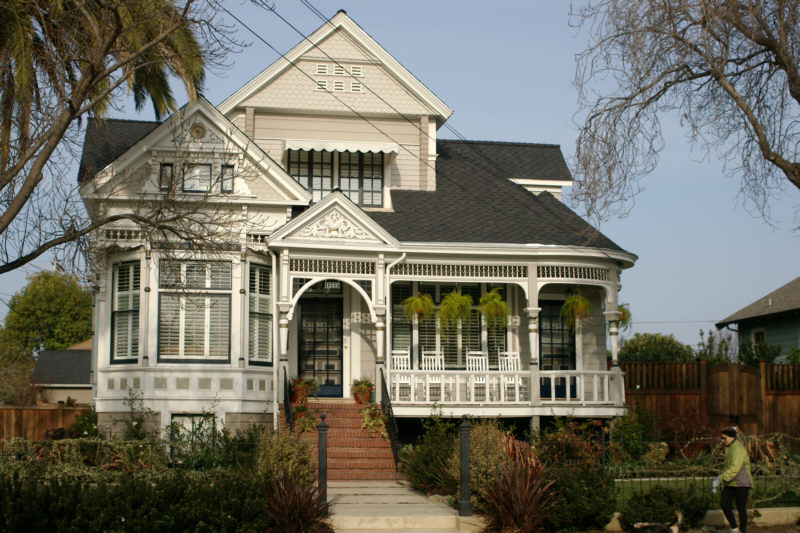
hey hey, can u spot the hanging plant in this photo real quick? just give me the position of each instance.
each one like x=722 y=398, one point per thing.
x=494 y=309
x=624 y=320
x=455 y=308
x=576 y=306
x=420 y=305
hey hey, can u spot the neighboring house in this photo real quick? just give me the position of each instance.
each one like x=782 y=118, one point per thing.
x=773 y=319
x=340 y=203
x=64 y=375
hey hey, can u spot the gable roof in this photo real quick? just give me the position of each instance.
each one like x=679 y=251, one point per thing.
x=475 y=201
x=106 y=140
x=782 y=300
x=340 y=22
x=62 y=367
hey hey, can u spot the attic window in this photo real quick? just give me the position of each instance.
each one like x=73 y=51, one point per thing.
x=338 y=86
x=355 y=70
x=338 y=70
x=197 y=178
x=322 y=69
x=165 y=176
x=322 y=85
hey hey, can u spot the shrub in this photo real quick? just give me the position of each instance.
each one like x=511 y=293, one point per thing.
x=518 y=498
x=634 y=432
x=570 y=441
x=284 y=452
x=296 y=507
x=85 y=424
x=659 y=504
x=586 y=499
x=427 y=464
x=655 y=348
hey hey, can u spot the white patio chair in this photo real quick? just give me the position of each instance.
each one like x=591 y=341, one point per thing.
x=401 y=362
x=433 y=361
x=509 y=362
x=478 y=366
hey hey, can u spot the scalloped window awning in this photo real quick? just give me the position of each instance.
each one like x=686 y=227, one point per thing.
x=341 y=146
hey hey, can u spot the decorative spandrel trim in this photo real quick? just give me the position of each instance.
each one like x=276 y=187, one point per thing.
x=572 y=272
x=331 y=266
x=334 y=226
x=418 y=270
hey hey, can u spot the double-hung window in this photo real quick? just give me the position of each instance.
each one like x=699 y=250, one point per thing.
x=197 y=177
x=313 y=169
x=361 y=177
x=260 y=330
x=125 y=313
x=194 y=317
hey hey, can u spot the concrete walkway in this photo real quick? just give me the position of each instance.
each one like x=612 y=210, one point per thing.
x=360 y=506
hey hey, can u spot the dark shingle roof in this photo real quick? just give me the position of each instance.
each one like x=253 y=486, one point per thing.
x=476 y=202
x=782 y=300
x=68 y=367
x=106 y=140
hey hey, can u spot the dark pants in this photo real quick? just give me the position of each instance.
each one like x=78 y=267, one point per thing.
x=740 y=493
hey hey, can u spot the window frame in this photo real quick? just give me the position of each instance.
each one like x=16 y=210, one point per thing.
x=223 y=179
x=309 y=165
x=211 y=296
x=187 y=171
x=132 y=312
x=267 y=317
x=165 y=185
x=551 y=309
x=360 y=177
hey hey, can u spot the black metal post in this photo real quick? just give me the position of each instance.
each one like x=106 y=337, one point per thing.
x=322 y=459
x=464 y=505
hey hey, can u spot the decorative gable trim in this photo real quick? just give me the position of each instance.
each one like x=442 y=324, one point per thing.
x=362 y=38
x=293 y=192
x=335 y=220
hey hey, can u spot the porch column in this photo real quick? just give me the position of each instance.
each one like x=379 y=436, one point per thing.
x=533 y=339
x=283 y=364
x=612 y=317
x=380 y=359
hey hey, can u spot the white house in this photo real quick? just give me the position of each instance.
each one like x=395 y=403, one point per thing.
x=333 y=201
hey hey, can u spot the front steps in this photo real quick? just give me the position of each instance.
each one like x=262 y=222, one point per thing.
x=353 y=453
x=387 y=506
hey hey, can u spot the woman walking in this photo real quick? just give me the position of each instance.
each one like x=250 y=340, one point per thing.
x=736 y=480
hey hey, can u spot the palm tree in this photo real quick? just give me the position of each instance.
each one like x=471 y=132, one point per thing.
x=63 y=59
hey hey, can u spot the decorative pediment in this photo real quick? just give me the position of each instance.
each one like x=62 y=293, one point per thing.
x=336 y=220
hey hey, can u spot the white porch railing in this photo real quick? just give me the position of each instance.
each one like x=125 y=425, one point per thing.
x=493 y=387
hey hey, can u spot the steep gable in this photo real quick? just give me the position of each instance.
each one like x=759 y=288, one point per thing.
x=338 y=68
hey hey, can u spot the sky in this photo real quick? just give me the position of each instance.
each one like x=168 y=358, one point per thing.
x=507 y=73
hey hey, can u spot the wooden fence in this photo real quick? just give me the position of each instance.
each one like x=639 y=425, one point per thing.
x=765 y=399
x=33 y=421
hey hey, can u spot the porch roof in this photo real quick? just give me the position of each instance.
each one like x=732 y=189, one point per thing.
x=475 y=200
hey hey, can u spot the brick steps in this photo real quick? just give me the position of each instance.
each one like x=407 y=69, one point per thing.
x=353 y=453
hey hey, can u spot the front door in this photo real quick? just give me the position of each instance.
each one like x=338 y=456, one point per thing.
x=321 y=343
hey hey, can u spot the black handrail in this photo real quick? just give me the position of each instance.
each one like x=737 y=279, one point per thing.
x=391 y=422
x=287 y=401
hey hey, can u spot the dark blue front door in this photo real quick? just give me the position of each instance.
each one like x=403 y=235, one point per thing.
x=321 y=343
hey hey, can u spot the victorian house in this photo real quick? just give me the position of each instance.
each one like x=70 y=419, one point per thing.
x=329 y=201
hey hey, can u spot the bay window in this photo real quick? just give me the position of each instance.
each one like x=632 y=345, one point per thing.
x=194 y=312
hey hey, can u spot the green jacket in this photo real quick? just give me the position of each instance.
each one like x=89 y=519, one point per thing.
x=736 y=469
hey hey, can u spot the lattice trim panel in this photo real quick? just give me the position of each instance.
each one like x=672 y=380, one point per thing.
x=421 y=270
x=572 y=272
x=332 y=266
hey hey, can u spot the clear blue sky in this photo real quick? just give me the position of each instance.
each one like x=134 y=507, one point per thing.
x=507 y=73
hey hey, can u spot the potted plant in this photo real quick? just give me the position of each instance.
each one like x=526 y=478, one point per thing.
x=494 y=309
x=575 y=307
x=372 y=420
x=304 y=418
x=624 y=320
x=362 y=389
x=455 y=308
x=302 y=387
x=418 y=306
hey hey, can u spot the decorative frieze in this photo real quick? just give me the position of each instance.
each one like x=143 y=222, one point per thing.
x=420 y=270
x=332 y=266
x=334 y=226
x=572 y=272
